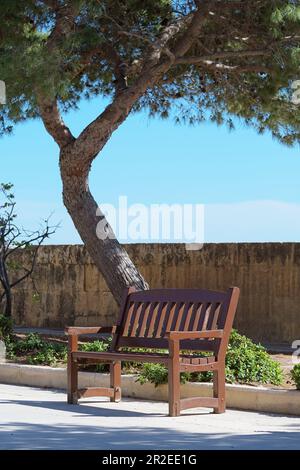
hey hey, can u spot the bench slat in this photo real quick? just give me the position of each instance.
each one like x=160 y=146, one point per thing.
x=139 y=357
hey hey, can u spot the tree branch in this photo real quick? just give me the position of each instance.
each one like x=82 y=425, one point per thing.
x=223 y=55
x=64 y=24
x=96 y=134
x=255 y=68
x=53 y=122
x=185 y=42
x=40 y=237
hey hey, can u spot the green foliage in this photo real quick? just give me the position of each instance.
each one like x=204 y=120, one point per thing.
x=295 y=374
x=246 y=362
x=38 y=351
x=190 y=92
x=6 y=328
x=154 y=373
x=157 y=374
x=98 y=346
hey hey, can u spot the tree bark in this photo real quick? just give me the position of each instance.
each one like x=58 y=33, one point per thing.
x=8 y=304
x=6 y=288
x=107 y=253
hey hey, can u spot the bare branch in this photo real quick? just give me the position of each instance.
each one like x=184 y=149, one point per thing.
x=255 y=68
x=223 y=55
x=40 y=237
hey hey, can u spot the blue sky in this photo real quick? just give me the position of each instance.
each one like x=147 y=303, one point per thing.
x=248 y=183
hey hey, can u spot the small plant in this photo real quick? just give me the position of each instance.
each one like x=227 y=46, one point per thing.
x=6 y=328
x=154 y=373
x=98 y=346
x=31 y=343
x=295 y=374
x=38 y=351
x=158 y=374
x=246 y=362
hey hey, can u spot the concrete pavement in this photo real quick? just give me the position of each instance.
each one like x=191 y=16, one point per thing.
x=32 y=418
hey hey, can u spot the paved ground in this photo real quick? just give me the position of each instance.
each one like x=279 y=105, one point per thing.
x=32 y=418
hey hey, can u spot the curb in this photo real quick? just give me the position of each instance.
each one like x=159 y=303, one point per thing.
x=243 y=397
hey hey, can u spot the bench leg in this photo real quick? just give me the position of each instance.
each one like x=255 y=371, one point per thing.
x=174 y=379
x=72 y=372
x=219 y=389
x=115 y=380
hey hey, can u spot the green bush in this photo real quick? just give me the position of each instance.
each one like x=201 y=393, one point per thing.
x=158 y=374
x=154 y=373
x=246 y=362
x=295 y=374
x=98 y=346
x=6 y=328
x=37 y=350
x=31 y=343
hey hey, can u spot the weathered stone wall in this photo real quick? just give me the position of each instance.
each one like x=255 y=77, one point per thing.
x=72 y=292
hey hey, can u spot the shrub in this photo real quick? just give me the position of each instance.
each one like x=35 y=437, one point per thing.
x=246 y=362
x=157 y=374
x=295 y=374
x=99 y=346
x=38 y=350
x=6 y=328
x=30 y=343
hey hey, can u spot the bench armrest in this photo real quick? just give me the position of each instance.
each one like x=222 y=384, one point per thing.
x=181 y=335
x=87 y=330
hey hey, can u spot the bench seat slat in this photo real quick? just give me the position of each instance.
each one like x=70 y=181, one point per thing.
x=139 y=357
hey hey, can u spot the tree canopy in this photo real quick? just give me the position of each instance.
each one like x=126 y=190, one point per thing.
x=242 y=60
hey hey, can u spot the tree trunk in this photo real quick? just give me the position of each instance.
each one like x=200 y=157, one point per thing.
x=109 y=256
x=8 y=303
x=7 y=290
x=77 y=154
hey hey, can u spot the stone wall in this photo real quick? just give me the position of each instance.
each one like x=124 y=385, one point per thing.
x=72 y=292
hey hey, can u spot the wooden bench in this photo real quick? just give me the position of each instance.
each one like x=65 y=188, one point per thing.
x=175 y=320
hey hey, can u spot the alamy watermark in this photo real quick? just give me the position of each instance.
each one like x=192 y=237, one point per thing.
x=296 y=353
x=296 y=93
x=181 y=223
x=2 y=92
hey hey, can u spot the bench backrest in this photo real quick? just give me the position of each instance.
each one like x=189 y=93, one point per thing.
x=147 y=315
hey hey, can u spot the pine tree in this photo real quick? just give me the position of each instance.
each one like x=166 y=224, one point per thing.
x=197 y=59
